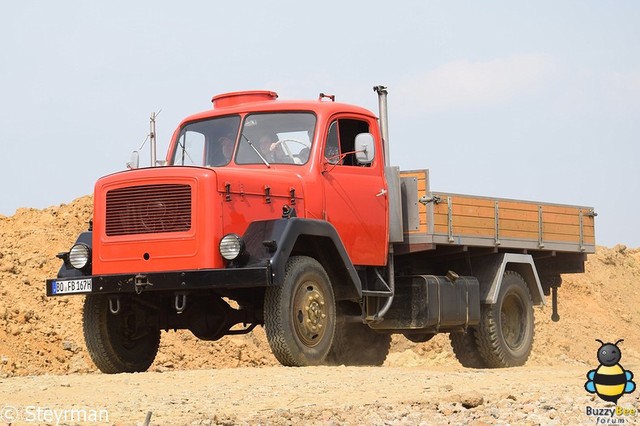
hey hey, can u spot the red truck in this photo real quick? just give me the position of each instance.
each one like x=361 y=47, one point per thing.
x=288 y=215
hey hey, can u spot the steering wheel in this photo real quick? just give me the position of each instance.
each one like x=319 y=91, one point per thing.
x=287 y=150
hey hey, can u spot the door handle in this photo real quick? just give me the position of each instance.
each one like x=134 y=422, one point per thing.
x=381 y=193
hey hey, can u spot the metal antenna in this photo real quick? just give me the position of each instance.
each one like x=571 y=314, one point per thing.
x=152 y=136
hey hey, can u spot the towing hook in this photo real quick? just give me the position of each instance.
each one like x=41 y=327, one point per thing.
x=114 y=309
x=180 y=302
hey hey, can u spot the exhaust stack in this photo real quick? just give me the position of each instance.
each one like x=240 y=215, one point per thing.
x=384 y=121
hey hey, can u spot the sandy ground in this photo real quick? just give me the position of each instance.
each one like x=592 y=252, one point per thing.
x=45 y=371
x=316 y=395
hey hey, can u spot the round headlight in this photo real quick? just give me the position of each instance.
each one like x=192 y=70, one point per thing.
x=79 y=256
x=231 y=246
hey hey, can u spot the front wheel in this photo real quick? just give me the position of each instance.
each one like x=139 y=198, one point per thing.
x=300 y=314
x=120 y=343
x=505 y=333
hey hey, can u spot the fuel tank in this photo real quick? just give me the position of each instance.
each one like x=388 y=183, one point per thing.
x=433 y=304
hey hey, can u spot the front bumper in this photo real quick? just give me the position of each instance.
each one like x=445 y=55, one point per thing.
x=162 y=281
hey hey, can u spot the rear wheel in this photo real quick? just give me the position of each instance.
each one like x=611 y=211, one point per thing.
x=121 y=343
x=505 y=333
x=300 y=315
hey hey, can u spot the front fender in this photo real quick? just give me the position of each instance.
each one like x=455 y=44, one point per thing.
x=275 y=241
x=68 y=271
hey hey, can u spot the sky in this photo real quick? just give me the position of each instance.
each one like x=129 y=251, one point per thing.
x=536 y=100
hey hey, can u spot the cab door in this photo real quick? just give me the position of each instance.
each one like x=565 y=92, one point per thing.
x=355 y=199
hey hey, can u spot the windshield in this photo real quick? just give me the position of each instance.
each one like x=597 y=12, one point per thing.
x=276 y=138
x=207 y=142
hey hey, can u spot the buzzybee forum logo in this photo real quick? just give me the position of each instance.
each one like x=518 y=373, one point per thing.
x=609 y=381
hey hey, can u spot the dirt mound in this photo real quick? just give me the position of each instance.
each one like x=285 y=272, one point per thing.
x=44 y=335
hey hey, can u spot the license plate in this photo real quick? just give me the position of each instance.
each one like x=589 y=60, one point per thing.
x=71 y=286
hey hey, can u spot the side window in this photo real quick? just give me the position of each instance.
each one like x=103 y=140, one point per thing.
x=332 y=147
x=341 y=137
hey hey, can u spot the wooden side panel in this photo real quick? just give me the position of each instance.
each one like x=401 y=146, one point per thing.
x=496 y=219
x=564 y=224
x=470 y=216
x=518 y=220
x=474 y=220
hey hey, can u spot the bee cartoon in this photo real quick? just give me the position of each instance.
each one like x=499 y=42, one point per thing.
x=609 y=381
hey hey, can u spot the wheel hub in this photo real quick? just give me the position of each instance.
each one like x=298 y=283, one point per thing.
x=512 y=320
x=311 y=316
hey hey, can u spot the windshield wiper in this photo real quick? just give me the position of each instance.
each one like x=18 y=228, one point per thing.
x=183 y=145
x=264 y=160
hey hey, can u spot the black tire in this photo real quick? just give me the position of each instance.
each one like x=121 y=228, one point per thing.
x=505 y=333
x=357 y=344
x=117 y=343
x=300 y=315
x=465 y=347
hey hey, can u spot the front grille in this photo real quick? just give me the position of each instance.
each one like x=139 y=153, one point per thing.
x=148 y=209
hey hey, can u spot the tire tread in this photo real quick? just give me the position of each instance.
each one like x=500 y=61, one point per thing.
x=276 y=316
x=465 y=348
x=488 y=335
x=101 y=350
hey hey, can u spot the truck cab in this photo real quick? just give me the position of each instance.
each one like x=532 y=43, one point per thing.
x=245 y=161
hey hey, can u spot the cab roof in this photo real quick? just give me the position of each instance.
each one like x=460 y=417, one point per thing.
x=266 y=101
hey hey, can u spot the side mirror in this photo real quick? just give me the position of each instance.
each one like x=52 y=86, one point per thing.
x=365 y=148
x=135 y=161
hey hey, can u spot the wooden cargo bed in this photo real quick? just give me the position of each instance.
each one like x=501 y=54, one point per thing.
x=433 y=218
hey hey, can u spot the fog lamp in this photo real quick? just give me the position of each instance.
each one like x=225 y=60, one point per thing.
x=79 y=256
x=231 y=246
